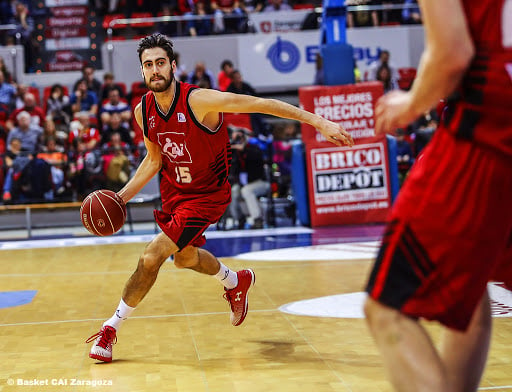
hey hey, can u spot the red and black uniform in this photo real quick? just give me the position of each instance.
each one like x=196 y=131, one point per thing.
x=195 y=166
x=450 y=230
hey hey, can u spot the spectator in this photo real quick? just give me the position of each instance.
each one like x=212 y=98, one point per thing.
x=361 y=18
x=13 y=151
x=239 y=86
x=181 y=69
x=7 y=93
x=116 y=126
x=114 y=104
x=60 y=134
x=3 y=68
x=390 y=15
x=110 y=84
x=81 y=130
x=92 y=83
x=319 y=79
x=116 y=163
x=228 y=17
x=201 y=75
x=37 y=116
x=23 y=33
x=202 y=25
x=224 y=77
x=384 y=76
x=168 y=28
x=411 y=12
x=384 y=59
x=56 y=157
x=58 y=107
x=277 y=5
x=248 y=180
x=28 y=133
x=21 y=90
x=84 y=100
x=404 y=155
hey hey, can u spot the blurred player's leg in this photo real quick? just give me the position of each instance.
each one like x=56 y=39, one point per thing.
x=411 y=360
x=464 y=353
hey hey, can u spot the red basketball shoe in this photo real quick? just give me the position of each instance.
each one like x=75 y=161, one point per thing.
x=102 y=347
x=238 y=296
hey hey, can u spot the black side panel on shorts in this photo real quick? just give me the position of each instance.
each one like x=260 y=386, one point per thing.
x=407 y=266
x=193 y=228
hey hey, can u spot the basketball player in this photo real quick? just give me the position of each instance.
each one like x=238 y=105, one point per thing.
x=185 y=141
x=450 y=230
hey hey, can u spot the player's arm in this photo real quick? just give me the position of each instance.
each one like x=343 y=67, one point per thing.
x=204 y=101
x=148 y=168
x=448 y=52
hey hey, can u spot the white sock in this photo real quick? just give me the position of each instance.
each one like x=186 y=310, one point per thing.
x=227 y=277
x=122 y=313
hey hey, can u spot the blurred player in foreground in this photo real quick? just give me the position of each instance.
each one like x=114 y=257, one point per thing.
x=185 y=141
x=450 y=230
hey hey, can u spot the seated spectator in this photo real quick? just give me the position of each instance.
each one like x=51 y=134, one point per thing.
x=361 y=18
x=21 y=90
x=91 y=82
x=384 y=76
x=384 y=59
x=117 y=126
x=58 y=108
x=239 y=86
x=60 y=135
x=248 y=180
x=224 y=77
x=7 y=75
x=26 y=132
x=37 y=116
x=390 y=15
x=110 y=84
x=7 y=93
x=81 y=129
x=55 y=155
x=411 y=12
x=114 y=104
x=277 y=5
x=169 y=28
x=229 y=17
x=83 y=100
x=201 y=75
x=199 y=26
x=116 y=163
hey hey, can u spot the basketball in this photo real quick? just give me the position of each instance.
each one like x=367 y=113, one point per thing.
x=103 y=212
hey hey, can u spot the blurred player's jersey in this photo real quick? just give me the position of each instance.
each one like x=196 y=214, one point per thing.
x=195 y=159
x=481 y=109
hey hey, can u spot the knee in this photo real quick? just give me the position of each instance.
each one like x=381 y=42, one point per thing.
x=377 y=315
x=149 y=263
x=186 y=258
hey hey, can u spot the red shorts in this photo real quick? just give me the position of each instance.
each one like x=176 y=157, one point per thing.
x=185 y=218
x=449 y=233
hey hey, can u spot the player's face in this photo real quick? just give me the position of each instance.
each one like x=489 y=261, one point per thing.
x=157 y=69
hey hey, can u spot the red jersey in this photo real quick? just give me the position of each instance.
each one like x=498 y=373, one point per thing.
x=195 y=159
x=481 y=108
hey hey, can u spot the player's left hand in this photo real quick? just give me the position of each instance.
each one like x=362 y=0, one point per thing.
x=394 y=110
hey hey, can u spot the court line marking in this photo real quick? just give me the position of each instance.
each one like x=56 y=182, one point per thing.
x=157 y=316
x=492 y=388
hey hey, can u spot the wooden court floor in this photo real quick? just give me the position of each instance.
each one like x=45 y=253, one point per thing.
x=180 y=337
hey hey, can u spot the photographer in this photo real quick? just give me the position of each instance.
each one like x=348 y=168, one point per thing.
x=248 y=180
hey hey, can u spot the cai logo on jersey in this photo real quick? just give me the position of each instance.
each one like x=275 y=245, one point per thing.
x=174 y=147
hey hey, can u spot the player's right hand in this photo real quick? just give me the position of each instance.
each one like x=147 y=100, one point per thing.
x=394 y=110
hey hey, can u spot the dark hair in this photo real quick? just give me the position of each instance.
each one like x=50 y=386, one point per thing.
x=226 y=62
x=156 y=40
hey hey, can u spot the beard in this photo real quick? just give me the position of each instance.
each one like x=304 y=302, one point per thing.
x=162 y=86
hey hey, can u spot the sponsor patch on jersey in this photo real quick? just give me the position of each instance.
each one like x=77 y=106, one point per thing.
x=181 y=117
x=174 y=147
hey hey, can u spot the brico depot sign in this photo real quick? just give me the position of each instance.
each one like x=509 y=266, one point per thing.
x=346 y=185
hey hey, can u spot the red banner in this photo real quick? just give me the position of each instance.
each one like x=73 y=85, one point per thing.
x=346 y=185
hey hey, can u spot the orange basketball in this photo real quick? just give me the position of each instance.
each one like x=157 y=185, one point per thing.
x=103 y=212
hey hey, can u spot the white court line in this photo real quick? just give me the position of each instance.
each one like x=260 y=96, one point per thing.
x=160 y=316
x=492 y=388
